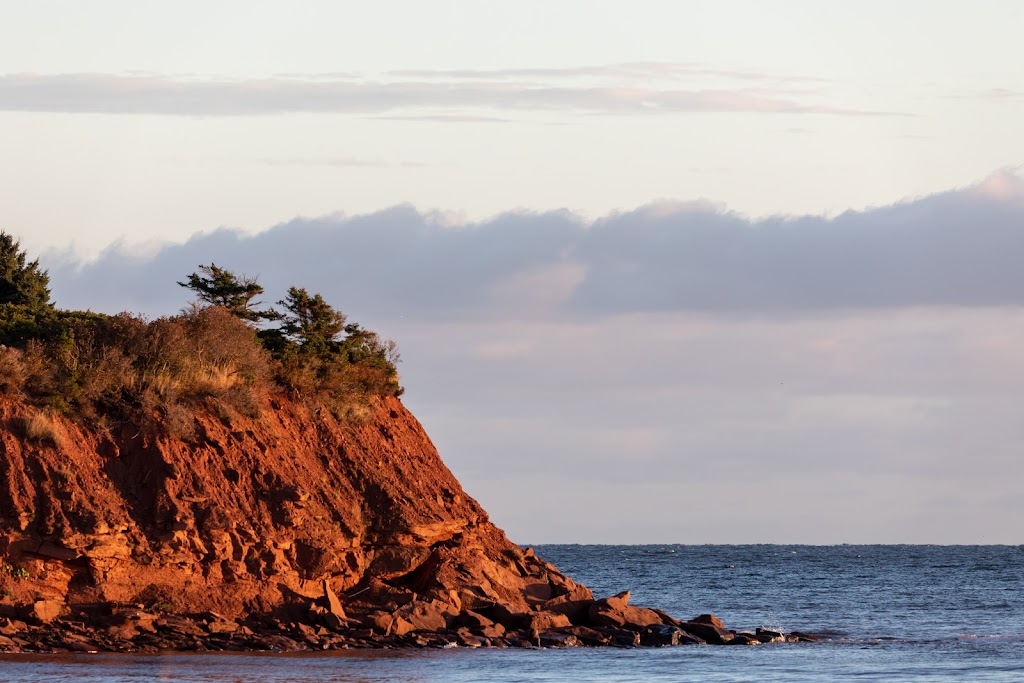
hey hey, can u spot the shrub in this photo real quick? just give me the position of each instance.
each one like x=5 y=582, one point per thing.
x=43 y=427
x=104 y=368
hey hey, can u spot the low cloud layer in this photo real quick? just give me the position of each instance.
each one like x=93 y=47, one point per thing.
x=644 y=92
x=678 y=373
x=959 y=248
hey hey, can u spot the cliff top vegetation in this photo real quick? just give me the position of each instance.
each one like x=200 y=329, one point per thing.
x=223 y=350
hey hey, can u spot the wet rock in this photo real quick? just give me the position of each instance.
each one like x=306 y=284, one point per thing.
x=558 y=639
x=589 y=636
x=716 y=635
x=467 y=639
x=276 y=643
x=744 y=639
x=660 y=635
x=492 y=632
x=623 y=638
x=709 y=619
x=769 y=636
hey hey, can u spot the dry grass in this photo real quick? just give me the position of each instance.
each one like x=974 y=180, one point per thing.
x=44 y=428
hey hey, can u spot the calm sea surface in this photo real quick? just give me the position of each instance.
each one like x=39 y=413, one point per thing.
x=891 y=613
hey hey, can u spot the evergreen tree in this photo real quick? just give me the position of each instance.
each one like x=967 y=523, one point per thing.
x=311 y=322
x=22 y=282
x=220 y=287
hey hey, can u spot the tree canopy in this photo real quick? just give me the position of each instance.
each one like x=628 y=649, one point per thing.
x=311 y=322
x=22 y=282
x=220 y=287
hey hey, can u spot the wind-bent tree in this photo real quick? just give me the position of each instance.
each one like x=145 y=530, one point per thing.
x=311 y=322
x=22 y=283
x=220 y=287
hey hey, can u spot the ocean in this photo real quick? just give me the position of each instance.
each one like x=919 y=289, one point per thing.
x=888 y=613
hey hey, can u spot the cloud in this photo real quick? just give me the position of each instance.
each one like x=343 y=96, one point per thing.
x=958 y=248
x=624 y=71
x=809 y=380
x=197 y=96
x=341 y=162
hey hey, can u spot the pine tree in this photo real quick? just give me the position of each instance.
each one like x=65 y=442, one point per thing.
x=311 y=322
x=22 y=282
x=220 y=287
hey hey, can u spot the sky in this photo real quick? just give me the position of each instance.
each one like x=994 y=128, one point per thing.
x=665 y=272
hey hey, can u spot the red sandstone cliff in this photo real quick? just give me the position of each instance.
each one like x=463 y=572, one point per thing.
x=251 y=515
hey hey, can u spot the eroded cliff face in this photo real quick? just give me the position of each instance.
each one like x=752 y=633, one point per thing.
x=251 y=516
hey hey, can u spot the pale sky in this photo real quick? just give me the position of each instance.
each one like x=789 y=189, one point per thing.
x=606 y=326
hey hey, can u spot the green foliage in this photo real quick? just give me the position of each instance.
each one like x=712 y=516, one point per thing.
x=22 y=282
x=17 y=573
x=153 y=374
x=220 y=287
x=311 y=323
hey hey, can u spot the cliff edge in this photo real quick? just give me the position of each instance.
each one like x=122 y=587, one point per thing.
x=250 y=515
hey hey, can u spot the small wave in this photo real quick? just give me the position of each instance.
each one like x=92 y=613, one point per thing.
x=992 y=638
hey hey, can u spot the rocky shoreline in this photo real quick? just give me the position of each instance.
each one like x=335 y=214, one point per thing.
x=47 y=626
x=288 y=532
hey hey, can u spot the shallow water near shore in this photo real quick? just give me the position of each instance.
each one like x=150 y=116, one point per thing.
x=890 y=613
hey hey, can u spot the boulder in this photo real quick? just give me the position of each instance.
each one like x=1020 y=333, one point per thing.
x=492 y=632
x=467 y=639
x=11 y=627
x=709 y=619
x=716 y=635
x=660 y=635
x=42 y=611
x=617 y=601
x=623 y=637
x=330 y=601
x=558 y=639
x=578 y=610
x=607 y=613
x=769 y=636
x=544 y=621
x=425 y=616
x=472 y=620
x=589 y=636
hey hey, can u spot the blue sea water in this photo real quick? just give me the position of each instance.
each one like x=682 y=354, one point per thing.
x=889 y=613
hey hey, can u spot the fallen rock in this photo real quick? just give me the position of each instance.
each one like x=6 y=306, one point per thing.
x=425 y=616
x=616 y=611
x=544 y=621
x=558 y=639
x=661 y=635
x=769 y=636
x=589 y=636
x=473 y=620
x=42 y=611
x=709 y=619
x=578 y=610
x=716 y=635
x=331 y=602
